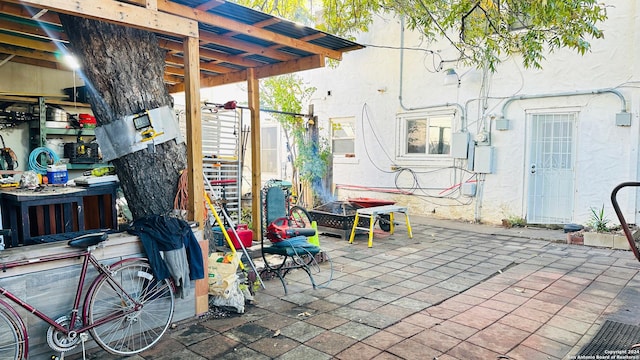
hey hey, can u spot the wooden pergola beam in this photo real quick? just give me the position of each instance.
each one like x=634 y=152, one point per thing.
x=35 y=31
x=25 y=12
x=120 y=13
x=241 y=28
x=28 y=43
x=306 y=63
x=28 y=53
x=210 y=54
x=208 y=37
x=253 y=94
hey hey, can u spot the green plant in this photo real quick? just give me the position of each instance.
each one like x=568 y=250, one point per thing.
x=598 y=220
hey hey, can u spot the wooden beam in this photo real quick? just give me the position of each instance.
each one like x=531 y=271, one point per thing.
x=253 y=93
x=227 y=41
x=306 y=63
x=38 y=63
x=209 y=5
x=211 y=67
x=220 y=21
x=34 y=30
x=195 y=181
x=152 y=5
x=210 y=54
x=194 y=131
x=26 y=12
x=28 y=53
x=47 y=46
x=173 y=80
x=120 y=13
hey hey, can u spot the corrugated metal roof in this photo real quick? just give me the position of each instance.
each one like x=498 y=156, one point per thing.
x=240 y=38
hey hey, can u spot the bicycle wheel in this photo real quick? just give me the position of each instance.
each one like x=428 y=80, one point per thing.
x=12 y=335
x=138 y=330
x=299 y=217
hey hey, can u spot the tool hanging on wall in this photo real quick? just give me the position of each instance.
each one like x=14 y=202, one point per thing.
x=9 y=158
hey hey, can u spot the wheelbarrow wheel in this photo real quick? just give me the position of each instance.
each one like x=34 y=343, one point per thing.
x=385 y=222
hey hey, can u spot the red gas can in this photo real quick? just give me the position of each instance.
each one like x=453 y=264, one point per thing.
x=245 y=235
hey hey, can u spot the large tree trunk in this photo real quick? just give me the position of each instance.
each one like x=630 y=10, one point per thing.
x=124 y=72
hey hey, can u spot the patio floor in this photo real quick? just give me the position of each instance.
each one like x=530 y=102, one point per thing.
x=454 y=291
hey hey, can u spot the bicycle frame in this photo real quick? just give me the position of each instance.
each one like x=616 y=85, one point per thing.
x=88 y=258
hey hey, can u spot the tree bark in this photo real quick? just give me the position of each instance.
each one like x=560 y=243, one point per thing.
x=123 y=69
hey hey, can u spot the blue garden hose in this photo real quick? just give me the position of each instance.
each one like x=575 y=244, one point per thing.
x=35 y=165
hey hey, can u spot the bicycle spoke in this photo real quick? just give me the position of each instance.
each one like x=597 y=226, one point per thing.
x=149 y=304
x=12 y=342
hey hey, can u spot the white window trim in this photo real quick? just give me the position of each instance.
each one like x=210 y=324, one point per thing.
x=426 y=160
x=342 y=158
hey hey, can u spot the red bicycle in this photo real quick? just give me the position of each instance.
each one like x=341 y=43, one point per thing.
x=125 y=309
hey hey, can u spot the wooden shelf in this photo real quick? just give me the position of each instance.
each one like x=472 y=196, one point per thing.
x=85 y=166
x=70 y=132
x=48 y=100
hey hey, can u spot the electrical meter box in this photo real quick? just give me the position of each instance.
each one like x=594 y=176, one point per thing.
x=483 y=159
x=460 y=145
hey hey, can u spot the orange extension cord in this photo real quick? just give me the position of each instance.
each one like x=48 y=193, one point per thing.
x=182 y=194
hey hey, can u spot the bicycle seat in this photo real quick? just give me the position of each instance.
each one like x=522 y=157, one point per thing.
x=84 y=241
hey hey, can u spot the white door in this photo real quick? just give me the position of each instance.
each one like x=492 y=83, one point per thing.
x=551 y=168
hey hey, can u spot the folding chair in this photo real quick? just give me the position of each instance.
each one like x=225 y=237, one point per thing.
x=282 y=254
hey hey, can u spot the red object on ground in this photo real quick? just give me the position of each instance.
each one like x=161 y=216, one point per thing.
x=245 y=235
x=370 y=202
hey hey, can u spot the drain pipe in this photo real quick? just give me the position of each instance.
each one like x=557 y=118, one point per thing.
x=463 y=125
x=575 y=93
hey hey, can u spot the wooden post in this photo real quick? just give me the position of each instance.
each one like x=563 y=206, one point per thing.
x=195 y=208
x=253 y=92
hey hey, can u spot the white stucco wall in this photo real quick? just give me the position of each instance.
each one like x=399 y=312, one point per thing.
x=605 y=154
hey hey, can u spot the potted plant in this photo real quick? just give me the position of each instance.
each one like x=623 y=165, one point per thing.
x=601 y=234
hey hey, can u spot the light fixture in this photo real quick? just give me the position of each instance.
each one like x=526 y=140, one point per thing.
x=451 y=77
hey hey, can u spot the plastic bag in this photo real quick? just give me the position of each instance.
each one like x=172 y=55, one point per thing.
x=222 y=270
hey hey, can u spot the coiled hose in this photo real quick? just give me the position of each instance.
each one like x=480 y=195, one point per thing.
x=35 y=165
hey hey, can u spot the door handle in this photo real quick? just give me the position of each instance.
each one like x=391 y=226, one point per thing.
x=533 y=168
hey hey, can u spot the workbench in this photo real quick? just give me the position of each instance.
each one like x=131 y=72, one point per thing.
x=372 y=213
x=57 y=209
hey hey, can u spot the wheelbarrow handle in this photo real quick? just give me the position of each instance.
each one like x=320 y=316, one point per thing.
x=623 y=222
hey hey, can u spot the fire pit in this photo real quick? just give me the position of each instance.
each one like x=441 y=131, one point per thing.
x=337 y=218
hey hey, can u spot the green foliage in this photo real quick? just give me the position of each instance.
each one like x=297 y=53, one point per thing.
x=287 y=93
x=483 y=31
x=598 y=221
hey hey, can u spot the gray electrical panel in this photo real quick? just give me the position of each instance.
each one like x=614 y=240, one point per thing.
x=460 y=145
x=483 y=160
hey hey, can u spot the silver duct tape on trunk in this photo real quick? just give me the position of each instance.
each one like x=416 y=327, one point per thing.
x=120 y=137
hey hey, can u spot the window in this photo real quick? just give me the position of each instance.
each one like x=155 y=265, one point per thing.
x=269 y=149
x=423 y=134
x=343 y=136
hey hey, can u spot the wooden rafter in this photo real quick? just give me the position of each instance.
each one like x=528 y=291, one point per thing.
x=219 y=21
x=306 y=63
x=120 y=13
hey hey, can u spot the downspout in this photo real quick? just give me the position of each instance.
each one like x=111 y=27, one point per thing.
x=462 y=111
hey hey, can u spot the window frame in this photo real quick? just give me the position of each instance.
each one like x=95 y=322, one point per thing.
x=277 y=150
x=342 y=120
x=402 y=154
